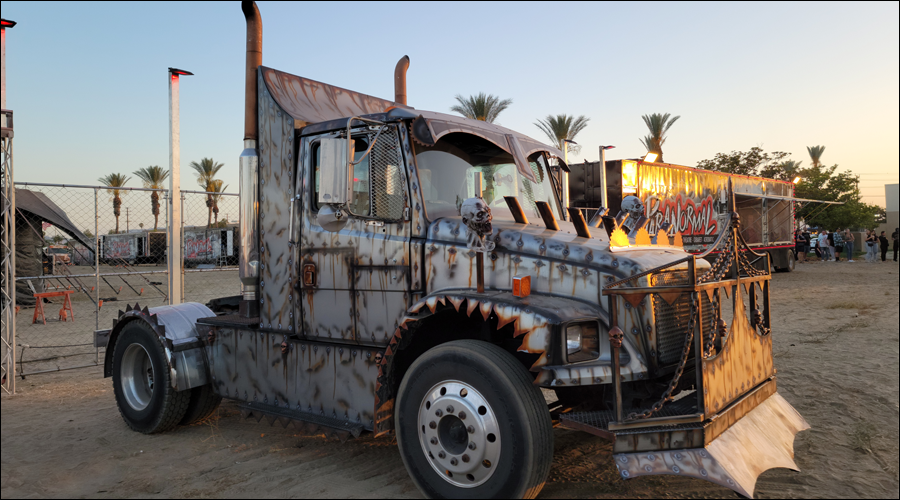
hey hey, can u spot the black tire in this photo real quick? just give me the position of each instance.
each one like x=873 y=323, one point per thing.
x=788 y=258
x=164 y=407
x=204 y=402
x=526 y=431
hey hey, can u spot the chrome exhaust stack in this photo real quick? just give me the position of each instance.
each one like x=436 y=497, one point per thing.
x=249 y=168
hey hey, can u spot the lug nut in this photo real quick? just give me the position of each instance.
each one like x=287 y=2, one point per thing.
x=472 y=446
x=454 y=462
x=432 y=425
x=465 y=459
x=434 y=441
x=462 y=415
x=439 y=413
x=442 y=455
x=449 y=409
x=470 y=429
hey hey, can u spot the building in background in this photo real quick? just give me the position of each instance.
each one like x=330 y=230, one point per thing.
x=892 y=200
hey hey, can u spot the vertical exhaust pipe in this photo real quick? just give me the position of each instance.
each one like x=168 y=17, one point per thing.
x=249 y=168
x=400 y=80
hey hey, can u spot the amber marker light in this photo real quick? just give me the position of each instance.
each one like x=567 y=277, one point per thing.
x=522 y=286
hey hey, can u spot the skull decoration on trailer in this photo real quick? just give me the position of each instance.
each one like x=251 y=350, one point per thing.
x=476 y=215
x=633 y=207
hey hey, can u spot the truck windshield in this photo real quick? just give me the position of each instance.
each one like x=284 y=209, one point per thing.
x=447 y=175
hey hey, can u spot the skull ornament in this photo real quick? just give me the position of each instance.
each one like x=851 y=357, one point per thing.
x=633 y=206
x=476 y=215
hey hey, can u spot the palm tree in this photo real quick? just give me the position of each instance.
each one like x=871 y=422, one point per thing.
x=481 y=107
x=659 y=125
x=206 y=176
x=216 y=187
x=815 y=154
x=115 y=181
x=153 y=178
x=563 y=127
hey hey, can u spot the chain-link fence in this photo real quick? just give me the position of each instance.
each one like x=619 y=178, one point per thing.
x=84 y=252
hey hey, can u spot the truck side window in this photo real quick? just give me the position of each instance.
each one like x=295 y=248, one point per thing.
x=379 y=190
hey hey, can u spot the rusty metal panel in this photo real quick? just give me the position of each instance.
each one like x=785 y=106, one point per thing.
x=273 y=370
x=377 y=317
x=744 y=362
x=276 y=188
x=309 y=101
x=329 y=315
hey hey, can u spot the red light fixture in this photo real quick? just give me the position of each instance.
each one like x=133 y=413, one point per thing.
x=5 y=23
x=176 y=71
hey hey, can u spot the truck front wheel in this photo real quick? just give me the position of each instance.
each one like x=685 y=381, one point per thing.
x=470 y=424
x=142 y=382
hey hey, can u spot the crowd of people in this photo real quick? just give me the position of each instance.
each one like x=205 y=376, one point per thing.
x=829 y=246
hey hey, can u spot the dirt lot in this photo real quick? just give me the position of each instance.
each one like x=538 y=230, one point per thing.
x=836 y=348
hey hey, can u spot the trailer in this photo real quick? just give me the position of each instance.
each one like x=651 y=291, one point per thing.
x=138 y=247
x=411 y=273
x=693 y=202
x=211 y=246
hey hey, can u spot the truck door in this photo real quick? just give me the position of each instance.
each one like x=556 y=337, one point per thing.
x=355 y=282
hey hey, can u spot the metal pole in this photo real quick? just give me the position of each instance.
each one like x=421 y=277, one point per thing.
x=97 y=261
x=564 y=179
x=181 y=262
x=604 y=200
x=175 y=259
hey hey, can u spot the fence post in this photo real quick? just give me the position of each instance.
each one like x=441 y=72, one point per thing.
x=97 y=261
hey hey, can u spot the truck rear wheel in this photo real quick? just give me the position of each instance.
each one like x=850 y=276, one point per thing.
x=142 y=382
x=204 y=402
x=472 y=425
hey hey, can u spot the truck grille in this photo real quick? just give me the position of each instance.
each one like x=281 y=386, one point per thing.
x=672 y=320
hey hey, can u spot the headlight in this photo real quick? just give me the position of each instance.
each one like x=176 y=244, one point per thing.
x=582 y=341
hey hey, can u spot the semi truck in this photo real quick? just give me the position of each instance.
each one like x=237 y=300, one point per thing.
x=411 y=273
x=694 y=202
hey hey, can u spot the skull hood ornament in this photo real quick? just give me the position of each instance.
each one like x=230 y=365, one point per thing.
x=476 y=215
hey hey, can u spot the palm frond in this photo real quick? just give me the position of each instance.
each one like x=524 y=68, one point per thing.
x=206 y=172
x=482 y=107
x=152 y=177
x=658 y=124
x=559 y=128
x=815 y=154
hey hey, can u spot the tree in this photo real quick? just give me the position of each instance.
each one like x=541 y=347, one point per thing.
x=659 y=125
x=481 y=107
x=787 y=170
x=815 y=154
x=216 y=187
x=115 y=181
x=206 y=176
x=88 y=233
x=823 y=183
x=559 y=128
x=753 y=163
x=153 y=177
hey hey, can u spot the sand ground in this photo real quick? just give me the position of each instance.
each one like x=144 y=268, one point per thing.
x=836 y=348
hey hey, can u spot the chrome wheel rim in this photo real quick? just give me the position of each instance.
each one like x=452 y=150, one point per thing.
x=459 y=434
x=137 y=377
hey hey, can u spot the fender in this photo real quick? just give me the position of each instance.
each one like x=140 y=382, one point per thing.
x=176 y=327
x=537 y=318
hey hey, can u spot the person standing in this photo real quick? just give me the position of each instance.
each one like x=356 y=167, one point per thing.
x=849 y=240
x=798 y=246
x=807 y=243
x=895 y=237
x=824 y=246
x=838 y=245
x=884 y=246
x=870 y=246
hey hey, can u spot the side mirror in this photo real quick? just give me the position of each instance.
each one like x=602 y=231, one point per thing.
x=334 y=166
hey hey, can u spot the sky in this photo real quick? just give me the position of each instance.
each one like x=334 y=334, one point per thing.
x=88 y=81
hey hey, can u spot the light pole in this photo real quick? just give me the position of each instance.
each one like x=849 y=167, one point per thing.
x=176 y=260
x=604 y=199
x=4 y=23
x=565 y=175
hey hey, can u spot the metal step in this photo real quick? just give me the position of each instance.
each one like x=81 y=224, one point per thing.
x=302 y=421
x=597 y=422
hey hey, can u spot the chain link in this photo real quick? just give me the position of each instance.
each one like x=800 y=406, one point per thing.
x=685 y=355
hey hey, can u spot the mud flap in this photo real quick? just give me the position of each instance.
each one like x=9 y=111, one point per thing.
x=762 y=440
